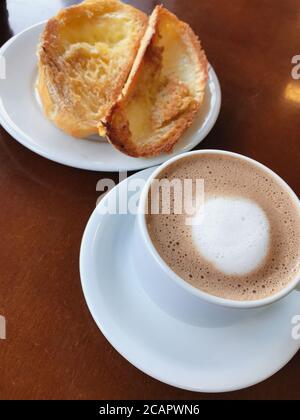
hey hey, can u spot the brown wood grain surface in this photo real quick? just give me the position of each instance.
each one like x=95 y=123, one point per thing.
x=53 y=347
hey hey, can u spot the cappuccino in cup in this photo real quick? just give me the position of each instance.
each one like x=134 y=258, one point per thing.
x=246 y=244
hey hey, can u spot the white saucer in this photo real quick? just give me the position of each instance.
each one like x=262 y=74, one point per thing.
x=22 y=116
x=214 y=350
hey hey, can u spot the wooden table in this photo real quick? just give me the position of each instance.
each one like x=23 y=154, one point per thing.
x=53 y=347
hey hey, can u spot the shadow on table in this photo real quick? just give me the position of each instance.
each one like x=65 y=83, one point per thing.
x=5 y=29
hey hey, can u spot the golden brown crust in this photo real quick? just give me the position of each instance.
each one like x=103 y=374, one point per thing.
x=81 y=73
x=174 y=105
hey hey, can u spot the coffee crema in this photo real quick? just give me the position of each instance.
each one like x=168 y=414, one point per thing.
x=247 y=246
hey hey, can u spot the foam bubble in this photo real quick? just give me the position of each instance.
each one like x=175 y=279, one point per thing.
x=233 y=235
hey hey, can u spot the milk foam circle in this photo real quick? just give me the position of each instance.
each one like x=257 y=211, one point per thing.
x=233 y=234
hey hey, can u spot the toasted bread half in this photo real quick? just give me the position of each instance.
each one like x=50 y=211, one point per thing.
x=164 y=91
x=85 y=56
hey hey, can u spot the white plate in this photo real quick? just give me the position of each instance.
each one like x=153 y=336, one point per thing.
x=22 y=116
x=218 y=350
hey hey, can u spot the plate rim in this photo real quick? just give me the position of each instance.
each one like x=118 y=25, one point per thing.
x=21 y=137
x=96 y=219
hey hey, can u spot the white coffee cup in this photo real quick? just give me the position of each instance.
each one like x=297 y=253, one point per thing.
x=161 y=282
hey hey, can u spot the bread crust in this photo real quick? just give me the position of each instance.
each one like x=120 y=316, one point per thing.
x=116 y=125
x=65 y=99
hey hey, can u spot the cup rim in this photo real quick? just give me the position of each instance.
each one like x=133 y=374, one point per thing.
x=175 y=277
